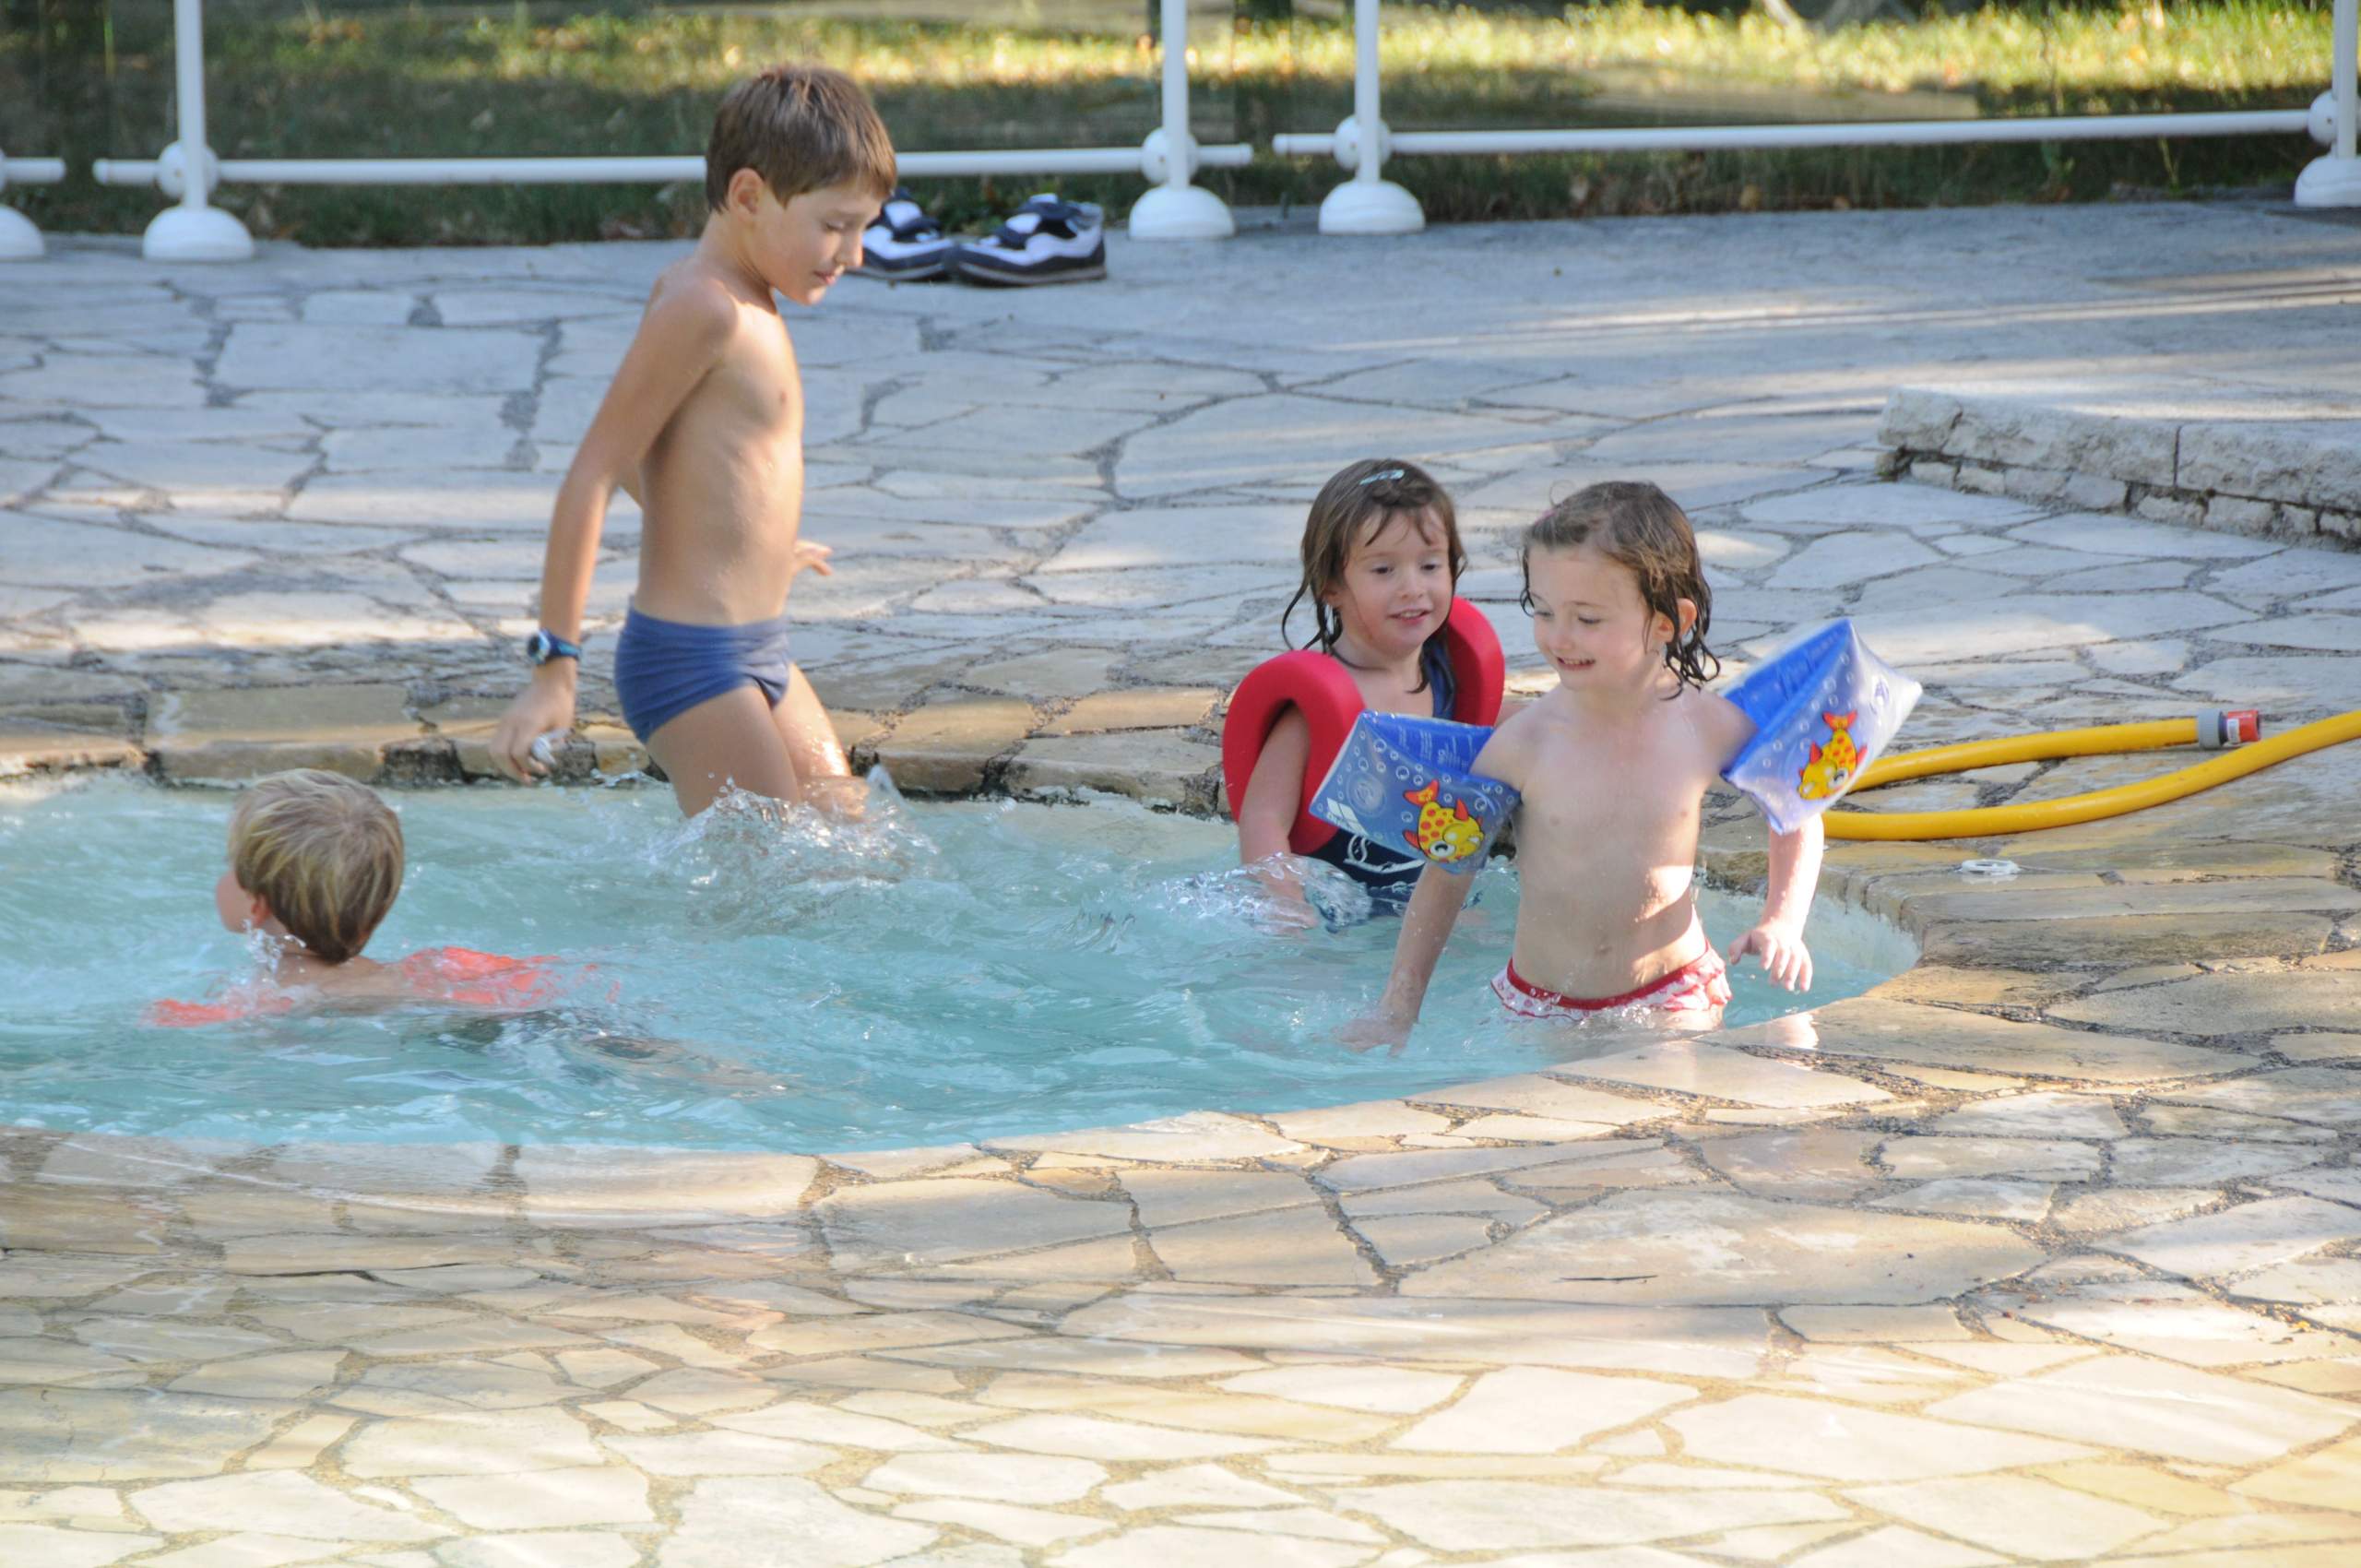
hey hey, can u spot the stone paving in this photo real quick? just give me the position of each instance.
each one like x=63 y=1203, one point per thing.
x=2048 y=1250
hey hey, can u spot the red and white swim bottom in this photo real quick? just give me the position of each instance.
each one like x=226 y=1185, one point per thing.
x=1701 y=985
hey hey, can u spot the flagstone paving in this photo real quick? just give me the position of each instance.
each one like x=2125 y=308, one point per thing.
x=2048 y=1250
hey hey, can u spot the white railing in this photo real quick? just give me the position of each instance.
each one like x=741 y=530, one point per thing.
x=196 y=230
x=19 y=241
x=2336 y=180
x=1174 y=208
x=1368 y=204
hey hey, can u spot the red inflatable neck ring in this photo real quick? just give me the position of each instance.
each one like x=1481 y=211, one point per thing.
x=1324 y=690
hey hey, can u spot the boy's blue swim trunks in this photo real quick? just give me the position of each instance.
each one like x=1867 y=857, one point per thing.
x=665 y=668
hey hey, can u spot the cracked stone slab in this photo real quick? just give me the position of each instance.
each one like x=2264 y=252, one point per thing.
x=1699 y=1248
x=1452 y=1515
x=1710 y=1342
x=44 y=1433
x=586 y=1182
x=1687 y=1066
x=45 y=552
x=281 y=1503
x=1841 y=1442
x=2180 y=1324
x=722 y=1516
x=1904 y=1031
x=1220 y=446
x=2013 y=1514
x=2226 y=1004
x=292 y=357
x=2237 y=1241
x=1539 y=1410
x=900 y=1225
x=2153 y=1408
x=1938 y=1156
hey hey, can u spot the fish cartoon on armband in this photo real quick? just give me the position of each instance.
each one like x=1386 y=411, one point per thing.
x=1823 y=706
x=1402 y=780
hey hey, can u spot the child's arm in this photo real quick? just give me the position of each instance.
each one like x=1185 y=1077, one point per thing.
x=1427 y=923
x=1266 y=816
x=678 y=339
x=1786 y=900
x=1432 y=912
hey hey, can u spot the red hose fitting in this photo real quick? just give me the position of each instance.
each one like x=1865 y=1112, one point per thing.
x=2238 y=726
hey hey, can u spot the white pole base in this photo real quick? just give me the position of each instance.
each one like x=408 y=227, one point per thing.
x=1370 y=207
x=2330 y=181
x=1181 y=213
x=196 y=234
x=19 y=241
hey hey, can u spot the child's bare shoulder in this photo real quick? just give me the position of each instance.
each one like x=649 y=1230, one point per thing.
x=1724 y=724
x=689 y=309
x=1507 y=753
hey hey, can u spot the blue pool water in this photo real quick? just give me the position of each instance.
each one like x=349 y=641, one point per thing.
x=942 y=972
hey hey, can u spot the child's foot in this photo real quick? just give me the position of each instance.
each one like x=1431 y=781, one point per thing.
x=1046 y=240
x=905 y=246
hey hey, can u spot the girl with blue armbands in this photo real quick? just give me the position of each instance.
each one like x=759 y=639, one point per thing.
x=1381 y=559
x=1613 y=767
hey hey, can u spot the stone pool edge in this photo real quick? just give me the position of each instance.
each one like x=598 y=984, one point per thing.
x=1157 y=744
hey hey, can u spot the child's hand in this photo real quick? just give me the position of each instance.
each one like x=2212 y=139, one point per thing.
x=1285 y=913
x=1370 y=1030
x=1785 y=958
x=543 y=705
x=811 y=557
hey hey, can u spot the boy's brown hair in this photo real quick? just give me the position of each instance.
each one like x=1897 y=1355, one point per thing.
x=801 y=128
x=323 y=852
x=1353 y=507
x=1640 y=528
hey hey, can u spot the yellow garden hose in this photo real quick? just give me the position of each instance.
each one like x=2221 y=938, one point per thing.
x=2102 y=741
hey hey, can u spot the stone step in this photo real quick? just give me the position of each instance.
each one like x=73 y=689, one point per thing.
x=2275 y=467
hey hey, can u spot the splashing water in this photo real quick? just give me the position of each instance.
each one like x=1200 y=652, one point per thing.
x=753 y=979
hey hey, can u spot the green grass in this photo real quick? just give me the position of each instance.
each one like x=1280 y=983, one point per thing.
x=91 y=78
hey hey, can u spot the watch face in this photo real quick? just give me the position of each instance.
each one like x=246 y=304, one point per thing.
x=536 y=648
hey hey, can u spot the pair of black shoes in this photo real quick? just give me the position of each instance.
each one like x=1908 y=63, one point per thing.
x=1046 y=240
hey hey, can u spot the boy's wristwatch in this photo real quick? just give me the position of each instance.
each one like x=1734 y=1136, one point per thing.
x=544 y=645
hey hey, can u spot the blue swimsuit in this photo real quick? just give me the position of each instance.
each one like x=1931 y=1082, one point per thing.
x=665 y=668
x=1389 y=874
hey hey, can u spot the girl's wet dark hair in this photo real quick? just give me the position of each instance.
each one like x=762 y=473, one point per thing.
x=1352 y=507
x=1640 y=528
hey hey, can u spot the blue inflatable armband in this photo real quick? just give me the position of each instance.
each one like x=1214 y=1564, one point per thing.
x=1403 y=781
x=1823 y=708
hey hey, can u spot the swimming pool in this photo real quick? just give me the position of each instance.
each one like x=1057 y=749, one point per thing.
x=945 y=972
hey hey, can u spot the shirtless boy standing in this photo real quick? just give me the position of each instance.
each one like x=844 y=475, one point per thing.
x=704 y=426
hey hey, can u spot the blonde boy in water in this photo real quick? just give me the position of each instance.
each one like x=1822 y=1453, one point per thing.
x=316 y=863
x=1613 y=767
x=704 y=426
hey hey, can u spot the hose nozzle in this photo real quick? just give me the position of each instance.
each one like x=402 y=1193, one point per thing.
x=2217 y=727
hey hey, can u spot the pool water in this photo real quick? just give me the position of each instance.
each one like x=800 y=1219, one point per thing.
x=941 y=972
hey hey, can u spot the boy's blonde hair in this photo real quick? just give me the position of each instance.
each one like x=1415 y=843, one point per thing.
x=801 y=128
x=323 y=852
x=1643 y=529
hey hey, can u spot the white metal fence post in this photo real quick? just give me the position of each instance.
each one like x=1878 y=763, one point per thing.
x=19 y=241
x=195 y=230
x=2336 y=180
x=1176 y=209
x=1367 y=204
